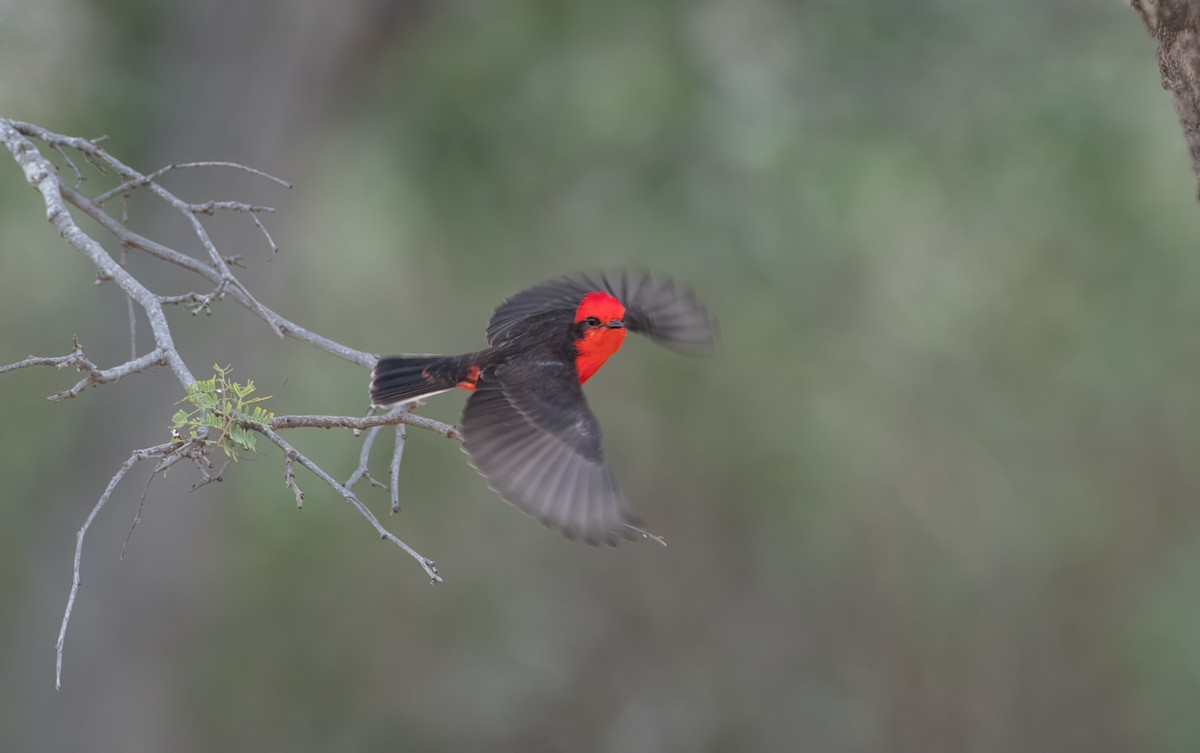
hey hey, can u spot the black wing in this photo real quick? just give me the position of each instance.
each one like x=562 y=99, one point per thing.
x=669 y=315
x=528 y=430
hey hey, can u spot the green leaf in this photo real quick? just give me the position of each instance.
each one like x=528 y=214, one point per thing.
x=222 y=404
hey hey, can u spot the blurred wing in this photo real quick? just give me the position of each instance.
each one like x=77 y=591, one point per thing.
x=556 y=296
x=669 y=315
x=538 y=445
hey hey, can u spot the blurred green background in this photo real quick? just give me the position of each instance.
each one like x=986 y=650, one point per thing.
x=937 y=490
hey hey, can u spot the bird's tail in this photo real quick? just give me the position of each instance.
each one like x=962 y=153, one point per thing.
x=397 y=379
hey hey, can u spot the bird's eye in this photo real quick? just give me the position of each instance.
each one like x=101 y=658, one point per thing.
x=593 y=321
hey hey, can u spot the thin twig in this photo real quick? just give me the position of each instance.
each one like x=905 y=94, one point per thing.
x=96 y=376
x=289 y=477
x=131 y=311
x=217 y=260
x=397 y=453
x=43 y=176
x=134 y=457
x=207 y=478
x=366 y=422
x=98 y=156
x=69 y=161
x=137 y=516
x=289 y=328
x=188 y=451
x=289 y=451
x=95 y=162
x=129 y=185
x=212 y=207
x=267 y=235
x=364 y=457
x=194 y=302
x=73 y=358
x=82 y=363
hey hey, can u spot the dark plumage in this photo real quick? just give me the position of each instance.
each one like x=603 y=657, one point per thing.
x=527 y=426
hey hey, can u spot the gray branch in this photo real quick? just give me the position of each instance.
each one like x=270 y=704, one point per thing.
x=128 y=186
x=71 y=359
x=364 y=458
x=157 y=357
x=366 y=422
x=170 y=255
x=167 y=450
x=98 y=156
x=82 y=363
x=296 y=456
x=42 y=175
x=394 y=468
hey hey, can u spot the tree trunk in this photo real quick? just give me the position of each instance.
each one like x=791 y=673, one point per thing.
x=1175 y=26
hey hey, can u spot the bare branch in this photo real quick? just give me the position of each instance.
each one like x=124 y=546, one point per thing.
x=73 y=358
x=364 y=458
x=92 y=160
x=207 y=478
x=137 y=516
x=130 y=309
x=267 y=235
x=82 y=363
x=289 y=451
x=157 y=451
x=235 y=166
x=98 y=156
x=289 y=477
x=131 y=239
x=289 y=328
x=212 y=207
x=194 y=302
x=129 y=185
x=42 y=175
x=192 y=452
x=366 y=422
x=397 y=454
x=95 y=376
x=131 y=312
x=69 y=161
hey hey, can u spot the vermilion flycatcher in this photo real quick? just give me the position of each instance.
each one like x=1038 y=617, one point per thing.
x=527 y=426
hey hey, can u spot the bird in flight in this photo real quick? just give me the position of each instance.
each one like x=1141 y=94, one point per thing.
x=526 y=426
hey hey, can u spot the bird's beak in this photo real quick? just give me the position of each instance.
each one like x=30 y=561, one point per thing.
x=616 y=324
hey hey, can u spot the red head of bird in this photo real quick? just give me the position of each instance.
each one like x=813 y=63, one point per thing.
x=601 y=318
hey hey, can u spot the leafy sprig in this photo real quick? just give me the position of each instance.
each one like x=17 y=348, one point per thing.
x=223 y=406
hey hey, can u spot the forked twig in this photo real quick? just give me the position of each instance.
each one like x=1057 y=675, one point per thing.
x=216 y=269
x=157 y=451
x=385 y=534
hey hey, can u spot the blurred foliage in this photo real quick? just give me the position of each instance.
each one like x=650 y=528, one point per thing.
x=936 y=491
